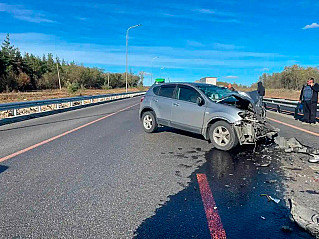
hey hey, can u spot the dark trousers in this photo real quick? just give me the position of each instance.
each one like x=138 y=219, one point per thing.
x=310 y=111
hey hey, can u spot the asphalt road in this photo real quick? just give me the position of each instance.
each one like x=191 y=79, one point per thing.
x=112 y=180
x=101 y=181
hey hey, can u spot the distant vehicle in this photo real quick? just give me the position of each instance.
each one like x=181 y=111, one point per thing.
x=224 y=117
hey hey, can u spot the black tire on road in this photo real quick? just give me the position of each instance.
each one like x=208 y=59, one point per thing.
x=149 y=122
x=223 y=136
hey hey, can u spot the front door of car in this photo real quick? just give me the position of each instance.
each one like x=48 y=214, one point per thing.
x=187 y=114
x=162 y=102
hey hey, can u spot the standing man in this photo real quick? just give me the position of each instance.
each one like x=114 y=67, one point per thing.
x=230 y=87
x=309 y=97
x=261 y=89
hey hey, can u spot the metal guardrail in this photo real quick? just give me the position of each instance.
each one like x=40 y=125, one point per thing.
x=72 y=101
x=283 y=106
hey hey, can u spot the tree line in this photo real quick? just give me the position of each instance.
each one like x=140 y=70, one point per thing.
x=292 y=77
x=30 y=72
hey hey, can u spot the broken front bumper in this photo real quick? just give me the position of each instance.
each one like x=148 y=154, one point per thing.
x=250 y=131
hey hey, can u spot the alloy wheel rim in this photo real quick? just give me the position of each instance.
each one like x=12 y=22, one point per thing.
x=221 y=136
x=148 y=122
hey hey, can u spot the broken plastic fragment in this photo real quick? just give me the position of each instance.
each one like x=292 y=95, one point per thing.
x=276 y=200
x=270 y=198
x=315 y=158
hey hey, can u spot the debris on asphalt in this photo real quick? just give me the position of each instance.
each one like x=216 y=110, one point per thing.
x=265 y=164
x=314 y=167
x=305 y=217
x=270 y=198
x=293 y=145
x=315 y=158
x=286 y=229
x=271 y=181
x=312 y=192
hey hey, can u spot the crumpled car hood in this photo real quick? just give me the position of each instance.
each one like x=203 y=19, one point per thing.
x=246 y=101
x=252 y=96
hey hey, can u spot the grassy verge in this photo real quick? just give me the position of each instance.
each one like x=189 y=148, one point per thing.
x=52 y=94
x=279 y=93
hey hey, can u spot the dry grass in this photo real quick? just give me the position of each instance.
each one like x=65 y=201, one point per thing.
x=279 y=93
x=52 y=94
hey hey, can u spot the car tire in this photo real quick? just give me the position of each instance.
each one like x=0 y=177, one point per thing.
x=149 y=122
x=222 y=135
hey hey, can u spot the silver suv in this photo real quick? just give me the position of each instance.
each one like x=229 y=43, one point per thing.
x=224 y=117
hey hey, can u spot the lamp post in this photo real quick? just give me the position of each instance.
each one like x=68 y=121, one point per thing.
x=162 y=68
x=152 y=68
x=127 y=52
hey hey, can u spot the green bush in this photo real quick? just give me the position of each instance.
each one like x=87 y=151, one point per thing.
x=73 y=87
x=106 y=87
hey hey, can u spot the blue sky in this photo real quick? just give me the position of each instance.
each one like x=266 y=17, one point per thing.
x=234 y=40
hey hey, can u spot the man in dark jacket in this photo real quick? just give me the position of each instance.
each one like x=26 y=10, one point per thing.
x=260 y=89
x=309 y=97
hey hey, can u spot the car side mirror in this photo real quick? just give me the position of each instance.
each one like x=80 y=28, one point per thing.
x=200 y=101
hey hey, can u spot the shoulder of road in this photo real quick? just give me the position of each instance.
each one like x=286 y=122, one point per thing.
x=307 y=134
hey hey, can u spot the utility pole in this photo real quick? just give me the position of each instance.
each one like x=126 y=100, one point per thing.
x=57 y=67
x=152 y=68
x=108 y=80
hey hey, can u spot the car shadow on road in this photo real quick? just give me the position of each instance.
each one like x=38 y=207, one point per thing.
x=3 y=168
x=66 y=120
x=179 y=132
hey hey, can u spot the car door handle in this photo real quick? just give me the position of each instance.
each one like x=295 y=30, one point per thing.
x=176 y=104
x=155 y=100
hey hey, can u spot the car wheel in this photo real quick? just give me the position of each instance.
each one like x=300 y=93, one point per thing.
x=149 y=122
x=222 y=135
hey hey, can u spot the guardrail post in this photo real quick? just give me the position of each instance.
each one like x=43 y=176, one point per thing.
x=71 y=104
x=278 y=109
x=82 y=102
x=57 y=106
x=15 y=112
x=91 y=101
x=39 y=109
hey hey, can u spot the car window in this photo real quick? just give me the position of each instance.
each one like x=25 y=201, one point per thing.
x=213 y=92
x=167 y=91
x=187 y=93
x=156 y=90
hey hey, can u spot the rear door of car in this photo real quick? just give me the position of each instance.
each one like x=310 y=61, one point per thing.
x=162 y=102
x=186 y=113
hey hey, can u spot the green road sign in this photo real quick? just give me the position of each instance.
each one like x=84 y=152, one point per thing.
x=160 y=80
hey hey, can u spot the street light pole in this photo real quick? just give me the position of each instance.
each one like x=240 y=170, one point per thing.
x=152 y=68
x=126 y=68
x=162 y=68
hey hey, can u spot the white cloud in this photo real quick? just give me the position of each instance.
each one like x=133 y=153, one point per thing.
x=265 y=69
x=205 y=11
x=225 y=46
x=194 y=43
x=313 y=25
x=231 y=77
x=23 y=14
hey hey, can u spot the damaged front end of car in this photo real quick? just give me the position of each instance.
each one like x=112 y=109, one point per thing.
x=253 y=125
x=250 y=129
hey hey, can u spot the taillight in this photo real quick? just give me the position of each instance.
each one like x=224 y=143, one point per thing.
x=142 y=99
